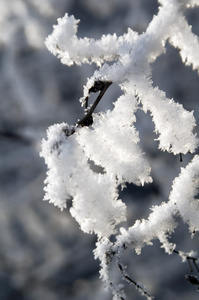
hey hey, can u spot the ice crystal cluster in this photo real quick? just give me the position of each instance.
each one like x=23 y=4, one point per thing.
x=111 y=141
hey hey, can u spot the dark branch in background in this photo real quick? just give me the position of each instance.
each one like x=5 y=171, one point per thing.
x=101 y=86
x=15 y=136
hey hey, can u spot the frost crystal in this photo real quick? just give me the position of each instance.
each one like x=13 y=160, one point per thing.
x=90 y=161
x=185 y=188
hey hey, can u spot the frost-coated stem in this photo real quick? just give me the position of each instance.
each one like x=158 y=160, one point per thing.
x=131 y=281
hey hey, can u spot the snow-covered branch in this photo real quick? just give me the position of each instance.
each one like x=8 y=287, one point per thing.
x=90 y=161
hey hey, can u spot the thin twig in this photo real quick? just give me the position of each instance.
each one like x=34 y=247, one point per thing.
x=87 y=119
x=130 y=280
x=189 y=259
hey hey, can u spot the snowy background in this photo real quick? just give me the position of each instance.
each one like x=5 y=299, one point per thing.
x=43 y=253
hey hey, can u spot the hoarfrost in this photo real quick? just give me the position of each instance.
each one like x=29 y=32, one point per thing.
x=111 y=141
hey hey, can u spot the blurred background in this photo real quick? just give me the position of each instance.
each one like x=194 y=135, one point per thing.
x=43 y=253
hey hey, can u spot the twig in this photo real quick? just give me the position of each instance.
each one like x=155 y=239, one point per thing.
x=102 y=87
x=131 y=281
x=189 y=259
